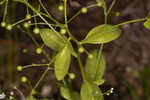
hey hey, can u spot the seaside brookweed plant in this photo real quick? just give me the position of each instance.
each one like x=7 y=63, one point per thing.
x=92 y=73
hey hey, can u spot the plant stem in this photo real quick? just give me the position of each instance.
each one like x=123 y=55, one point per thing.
x=48 y=13
x=111 y=6
x=43 y=75
x=81 y=67
x=131 y=21
x=66 y=23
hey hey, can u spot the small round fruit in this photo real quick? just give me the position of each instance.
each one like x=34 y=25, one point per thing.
x=28 y=16
x=99 y=4
x=19 y=68
x=60 y=7
x=39 y=50
x=84 y=10
x=26 y=25
x=63 y=31
x=24 y=79
x=81 y=49
x=72 y=75
x=9 y=27
x=3 y=24
x=36 y=30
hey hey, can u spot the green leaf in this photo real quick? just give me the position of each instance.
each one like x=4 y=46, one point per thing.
x=51 y=39
x=90 y=92
x=69 y=94
x=102 y=34
x=62 y=63
x=75 y=96
x=147 y=23
x=30 y=98
x=95 y=67
x=55 y=42
x=65 y=92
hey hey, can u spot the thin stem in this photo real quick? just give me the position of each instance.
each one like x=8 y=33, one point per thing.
x=5 y=11
x=81 y=67
x=74 y=16
x=41 y=78
x=34 y=10
x=43 y=75
x=131 y=21
x=20 y=21
x=2 y=2
x=111 y=6
x=66 y=23
x=28 y=66
x=105 y=13
x=48 y=13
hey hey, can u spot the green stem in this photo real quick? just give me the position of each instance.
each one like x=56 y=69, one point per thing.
x=34 y=10
x=74 y=16
x=5 y=11
x=48 y=13
x=131 y=21
x=105 y=13
x=111 y=6
x=43 y=75
x=81 y=67
x=28 y=66
x=66 y=23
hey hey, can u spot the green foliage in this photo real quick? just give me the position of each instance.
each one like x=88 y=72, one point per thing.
x=53 y=41
x=62 y=62
x=95 y=67
x=90 y=91
x=60 y=43
x=102 y=34
x=147 y=23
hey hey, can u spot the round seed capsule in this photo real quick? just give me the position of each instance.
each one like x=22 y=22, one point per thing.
x=99 y=4
x=24 y=79
x=3 y=24
x=81 y=49
x=72 y=75
x=9 y=27
x=39 y=50
x=28 y=16
x=60 y=7
x=84 y=10
x=19 y=68
x=63 y=31
x=36 y=30
x=26 y=25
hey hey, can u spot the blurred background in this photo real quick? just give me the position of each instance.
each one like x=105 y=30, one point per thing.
x=128 y=58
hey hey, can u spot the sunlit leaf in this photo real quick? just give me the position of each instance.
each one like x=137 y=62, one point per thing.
x=102 y=34
x=95 y=67
x=147 y=23
x=65 y=92
x=75 y=96
x=69 y=94
x=30 y=98
x=53 y=41
x=90 y=92
x=62 y=63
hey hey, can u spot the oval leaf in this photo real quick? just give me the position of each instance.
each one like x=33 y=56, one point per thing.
x=95 y=67
x=147 y=23
x=62 y=63
x=102 y=34
x=53 y=41
x=65 y=93
x=90 y=92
